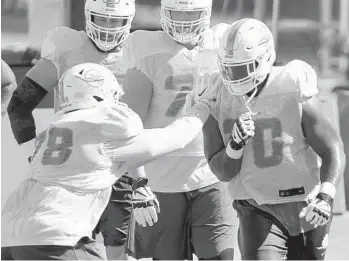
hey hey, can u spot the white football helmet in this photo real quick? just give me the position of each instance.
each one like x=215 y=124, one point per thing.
x=86 y=84
x=246 y=55
x=185 y=31
x=107 y=38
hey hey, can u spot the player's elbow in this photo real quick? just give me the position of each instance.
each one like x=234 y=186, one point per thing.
x=225 y=170
x=14 y=106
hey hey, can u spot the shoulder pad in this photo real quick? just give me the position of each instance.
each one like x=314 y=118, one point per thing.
x=304 y=76
x=211 y=89
x=214 y=35
x=58 y=41
x=120 y=122
x=141 y=44
x=219 y=29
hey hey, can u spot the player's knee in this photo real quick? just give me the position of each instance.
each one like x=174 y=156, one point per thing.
x=114 y=239
x=227 y=254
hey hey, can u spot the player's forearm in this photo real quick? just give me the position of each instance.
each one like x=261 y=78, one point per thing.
x=184 y=129
x=333 y=164
x=224 y=167
x=159 y=142
x=22 y=103
x=153 y=143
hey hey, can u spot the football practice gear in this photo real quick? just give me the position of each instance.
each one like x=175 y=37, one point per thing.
x=185 y=31
x=84 y=85
x=145 y=206
x=319 y=211
x=107 y=38
x=243 y=129
x=246 y=56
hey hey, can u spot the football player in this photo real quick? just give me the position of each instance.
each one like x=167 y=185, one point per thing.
x=8 y=85
x=108 y=25
x=283 y=194
x=87 y=146
x=196 y=211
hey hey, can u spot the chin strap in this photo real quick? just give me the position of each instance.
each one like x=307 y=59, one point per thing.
x=248 y=101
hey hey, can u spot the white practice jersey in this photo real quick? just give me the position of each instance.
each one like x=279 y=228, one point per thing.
x=278 y=165
x=175 y=72
x=70 y=177
x=66 y=47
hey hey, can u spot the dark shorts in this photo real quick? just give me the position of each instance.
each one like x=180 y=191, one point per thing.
x=115 y=219
x=200 y=221
x=262 y=236
x=85 y=249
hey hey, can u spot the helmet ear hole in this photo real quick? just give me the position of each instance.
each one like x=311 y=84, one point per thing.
x=99 y=99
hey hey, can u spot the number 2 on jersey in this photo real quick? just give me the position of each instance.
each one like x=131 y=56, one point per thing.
x=184 y=84
x=58 y=148
x=265 y=155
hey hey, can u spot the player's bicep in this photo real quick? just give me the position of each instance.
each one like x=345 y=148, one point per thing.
x=318 y=130
x=325 y=140
x=138 y=92
x=44 y=73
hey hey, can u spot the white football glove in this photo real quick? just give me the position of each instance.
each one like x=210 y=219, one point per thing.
x=145 y=206
x=319 y=210
x=243 y=129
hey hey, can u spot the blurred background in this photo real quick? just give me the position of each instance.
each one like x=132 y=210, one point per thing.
x=316 y=31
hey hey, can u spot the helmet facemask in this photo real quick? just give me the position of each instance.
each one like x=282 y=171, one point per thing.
x=240 y=78
x=185 y=31
x=107 y=38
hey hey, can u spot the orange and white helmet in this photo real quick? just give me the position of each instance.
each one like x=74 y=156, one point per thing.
x=86 y=84
x=185 y=31
x=114 y=9
x=246 y=55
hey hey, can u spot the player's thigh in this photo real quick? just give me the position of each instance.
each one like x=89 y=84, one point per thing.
x=260 y=236
x=316 y=242
x=166 y=238
x=213 y=221
x=115 y=219
x=85 y=249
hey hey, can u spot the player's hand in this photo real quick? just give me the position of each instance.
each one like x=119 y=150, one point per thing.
x=243 y=129
x=318 y=212
x=145 y=206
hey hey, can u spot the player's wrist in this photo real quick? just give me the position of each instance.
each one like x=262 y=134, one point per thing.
x=328 y=189
x=139 y=183
x=234 y=150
